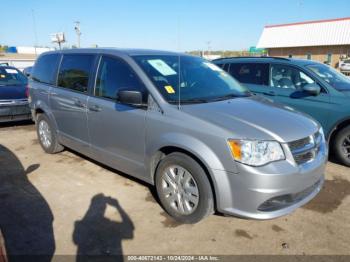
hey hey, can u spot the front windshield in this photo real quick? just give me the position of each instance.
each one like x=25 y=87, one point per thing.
x=331 y=76
x=11 y=77
x=199 y=81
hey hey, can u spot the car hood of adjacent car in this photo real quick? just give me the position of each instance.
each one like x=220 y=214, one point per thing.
x=255 y=118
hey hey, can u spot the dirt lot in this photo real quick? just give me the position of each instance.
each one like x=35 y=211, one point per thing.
x=67 y=204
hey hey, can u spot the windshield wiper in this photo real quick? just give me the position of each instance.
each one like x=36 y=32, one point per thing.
x=226 y=97
x=189 y=101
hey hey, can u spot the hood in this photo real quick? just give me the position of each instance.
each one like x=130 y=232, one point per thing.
x=12 y=92
x=345 y=92
x=255 y=118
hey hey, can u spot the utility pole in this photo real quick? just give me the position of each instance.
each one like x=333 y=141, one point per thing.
x=208 y=44
x=78 y=32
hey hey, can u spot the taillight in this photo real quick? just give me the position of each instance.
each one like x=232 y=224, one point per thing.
x=27 y=91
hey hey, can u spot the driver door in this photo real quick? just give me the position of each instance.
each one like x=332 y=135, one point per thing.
x=117 y=131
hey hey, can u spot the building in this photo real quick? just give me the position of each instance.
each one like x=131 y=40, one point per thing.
x=19 y=61
x=326 y=41
x=22 y=56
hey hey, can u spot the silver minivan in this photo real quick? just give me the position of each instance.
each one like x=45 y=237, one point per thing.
x=182 y=124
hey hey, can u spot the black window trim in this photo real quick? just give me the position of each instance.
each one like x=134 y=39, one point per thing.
x=91 y=73
x=98 y=64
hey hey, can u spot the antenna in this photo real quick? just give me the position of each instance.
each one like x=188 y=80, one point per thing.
x=179 y=84
x=179 y=61
x=78 y=32
x=35 y=33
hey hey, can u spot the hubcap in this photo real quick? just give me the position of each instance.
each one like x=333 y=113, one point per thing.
x=45 y=134
x=346 y=146
x=180 y=190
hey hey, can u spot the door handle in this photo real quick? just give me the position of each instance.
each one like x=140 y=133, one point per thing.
x=78 y=103
x=271 y=93
x=95 y=108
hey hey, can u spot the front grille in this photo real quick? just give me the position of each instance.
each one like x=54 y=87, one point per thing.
x=299 y=143
x=304 y=158
x=306 y=149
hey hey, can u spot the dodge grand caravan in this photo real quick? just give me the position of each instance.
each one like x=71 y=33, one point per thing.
x=182 y=124
x=305 y=85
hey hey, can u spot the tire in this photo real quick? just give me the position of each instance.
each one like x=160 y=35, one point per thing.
x=183 y=189
x=342 y=146
x=50 y=144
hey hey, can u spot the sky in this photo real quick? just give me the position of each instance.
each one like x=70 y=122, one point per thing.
x=177 y=25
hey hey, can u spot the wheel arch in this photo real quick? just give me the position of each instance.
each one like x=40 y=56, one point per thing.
x=336 y=129
x=166 y=150
x=160 y=146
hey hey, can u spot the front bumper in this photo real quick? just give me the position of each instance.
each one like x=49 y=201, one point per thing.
x=14 y=110
x=269 y=191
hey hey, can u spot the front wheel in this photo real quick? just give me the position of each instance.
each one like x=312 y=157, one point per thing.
x=342 y=146
x=184 y=189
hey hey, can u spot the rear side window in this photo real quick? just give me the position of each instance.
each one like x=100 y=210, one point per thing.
x=114 y=75
x=75 y=71
x=250 y=73
x=45 y=69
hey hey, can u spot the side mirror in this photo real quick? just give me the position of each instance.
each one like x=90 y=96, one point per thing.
x=312 y=89
x=130 y=97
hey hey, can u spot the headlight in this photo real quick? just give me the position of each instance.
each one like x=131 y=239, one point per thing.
x=256 y=153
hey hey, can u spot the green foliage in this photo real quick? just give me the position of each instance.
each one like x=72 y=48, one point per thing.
x=226 y=53
x=3 y=48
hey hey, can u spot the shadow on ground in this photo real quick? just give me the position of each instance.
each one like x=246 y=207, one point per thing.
x=26 y=124
x=99 y=237
x=25 y=217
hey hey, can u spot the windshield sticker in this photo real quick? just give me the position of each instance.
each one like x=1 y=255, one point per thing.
x=162 y=67
x=213 y=67
x=11 y=71
x=169 y=89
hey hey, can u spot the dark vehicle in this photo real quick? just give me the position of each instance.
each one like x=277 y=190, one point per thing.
x=13 y=95
x=308 y=86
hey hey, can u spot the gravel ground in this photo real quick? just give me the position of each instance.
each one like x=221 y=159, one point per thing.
x=68 y=204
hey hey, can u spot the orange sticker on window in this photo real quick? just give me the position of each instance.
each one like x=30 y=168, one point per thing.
x=169 y=89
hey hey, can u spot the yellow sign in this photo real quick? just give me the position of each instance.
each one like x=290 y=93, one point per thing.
x=169 y=89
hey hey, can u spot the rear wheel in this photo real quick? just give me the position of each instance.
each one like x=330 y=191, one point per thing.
x=47 y=135
x=342 y=146
x=184 y=189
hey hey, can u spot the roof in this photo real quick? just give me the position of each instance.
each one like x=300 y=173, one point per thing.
x=111 y=50
x=312 y=33
x=264 y=59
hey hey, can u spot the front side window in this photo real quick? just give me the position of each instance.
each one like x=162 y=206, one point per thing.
x=11 y=77
x=188 y=79
x=283 y=76
x=45 y=69
x=331 y=76
x=114 y=75
x=250 y=73
x=74 y=72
